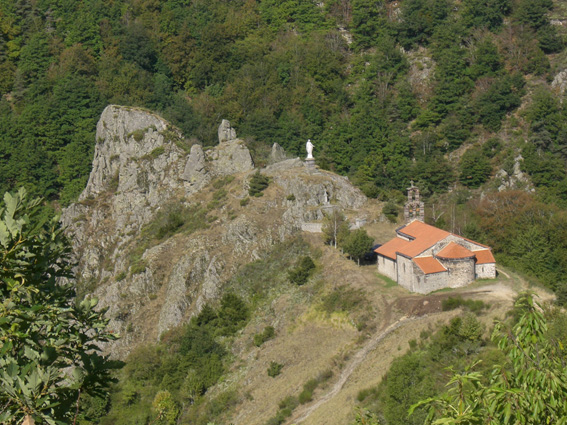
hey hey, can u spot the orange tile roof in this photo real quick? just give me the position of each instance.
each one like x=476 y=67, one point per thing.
x=390 y=248
x=454 y=251
x=484 y=256
x=425 y=237
x=429 y=265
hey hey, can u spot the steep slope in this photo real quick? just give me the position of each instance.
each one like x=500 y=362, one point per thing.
x=157 y=231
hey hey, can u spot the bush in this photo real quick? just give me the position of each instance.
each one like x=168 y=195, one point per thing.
x=305 y=396
x=244 y=202
x=343 y=298
x=391 y=212
x=258 y=183
x=453 y=303
x=300 y=274
x=264 y=336
x=275 y=369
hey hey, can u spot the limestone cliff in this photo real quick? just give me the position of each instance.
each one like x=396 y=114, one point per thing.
x=158 y=230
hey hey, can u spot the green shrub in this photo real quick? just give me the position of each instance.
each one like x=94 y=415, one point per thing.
x=264 y=336
x=290 y=197
x=453 y=303
x=305 y=396
x=342 y=298
x=160 y=150
x=121 y=276
x=290 y=402
x=391 y=211
x=300 y=274
x=222 y=181
x=274 y=369
x=244 y=202
x=138 y=135
x=258 y=183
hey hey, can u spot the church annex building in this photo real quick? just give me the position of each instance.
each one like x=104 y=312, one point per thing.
x=423 y=258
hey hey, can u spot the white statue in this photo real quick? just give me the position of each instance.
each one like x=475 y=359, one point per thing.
x=309 y=147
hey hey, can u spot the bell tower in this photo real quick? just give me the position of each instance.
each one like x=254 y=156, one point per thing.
x=414 y=208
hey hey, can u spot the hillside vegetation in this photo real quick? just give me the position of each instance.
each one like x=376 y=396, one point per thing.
x=450 y=94
x=465 y=98
x=419 y=79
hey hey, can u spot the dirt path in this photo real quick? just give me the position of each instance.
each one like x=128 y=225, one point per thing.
x=356 y=360
x=415 y=307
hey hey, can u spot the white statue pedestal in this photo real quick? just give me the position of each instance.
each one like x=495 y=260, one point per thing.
x=310 y=163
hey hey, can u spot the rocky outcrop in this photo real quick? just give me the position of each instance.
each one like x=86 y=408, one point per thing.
x=514 y=178
x=560 y=82
x=134 y=248
x=225 y=132
x=195 y=172
x=277 y=154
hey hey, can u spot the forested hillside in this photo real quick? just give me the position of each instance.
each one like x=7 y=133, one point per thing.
x=464 y=97
x=454 y=95
x=419 y=79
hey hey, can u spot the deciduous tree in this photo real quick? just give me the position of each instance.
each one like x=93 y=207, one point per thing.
x=49 y=342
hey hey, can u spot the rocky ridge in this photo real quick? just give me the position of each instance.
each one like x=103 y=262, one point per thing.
x=143 y=179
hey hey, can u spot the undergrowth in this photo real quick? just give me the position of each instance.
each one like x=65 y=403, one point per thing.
x=171 y=219
x=186 y=363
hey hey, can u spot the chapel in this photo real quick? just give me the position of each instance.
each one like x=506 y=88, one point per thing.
x=423 y=258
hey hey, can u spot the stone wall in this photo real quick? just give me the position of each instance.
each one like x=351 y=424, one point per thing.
x=485 y=271
x=407 y=273
x=432 y=282
x=312 y=227
x=461 y=271
x=387 y=267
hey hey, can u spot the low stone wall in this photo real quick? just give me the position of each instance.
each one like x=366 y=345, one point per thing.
x=312 y=227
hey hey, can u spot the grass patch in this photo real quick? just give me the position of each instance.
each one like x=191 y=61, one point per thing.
x=342 y=299
x=160 y=150
x=264 y=336
x=452 y=303
x=256 y=279
x=138 y=135
x=388 y=283
x=222 y=181
x=171 y=219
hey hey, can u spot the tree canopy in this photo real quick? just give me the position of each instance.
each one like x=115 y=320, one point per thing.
x=49 y=343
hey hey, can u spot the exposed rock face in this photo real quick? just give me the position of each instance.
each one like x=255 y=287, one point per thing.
x=226 y=132
x=277 y=154
x=514 y=179
x=229 y=158
x=151 y=283
x=195 y=170
x=560 y=82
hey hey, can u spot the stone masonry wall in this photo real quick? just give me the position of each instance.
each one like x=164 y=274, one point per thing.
x=387 y=267
x=461 y=272
x=485 y=271
x=407 y=275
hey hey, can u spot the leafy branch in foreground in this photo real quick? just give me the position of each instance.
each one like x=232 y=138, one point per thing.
x=529 y=388
x=49 y=347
